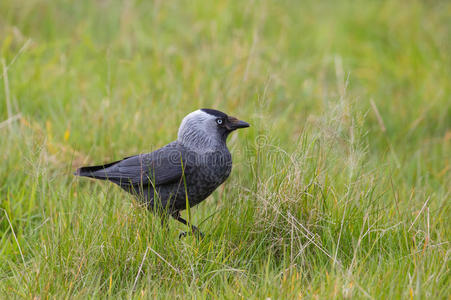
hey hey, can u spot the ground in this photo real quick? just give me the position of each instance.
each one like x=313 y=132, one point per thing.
x=340 y=189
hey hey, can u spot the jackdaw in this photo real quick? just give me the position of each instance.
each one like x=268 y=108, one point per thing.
x=184 y=172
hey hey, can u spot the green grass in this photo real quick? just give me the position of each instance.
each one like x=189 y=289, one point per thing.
x=340 y=189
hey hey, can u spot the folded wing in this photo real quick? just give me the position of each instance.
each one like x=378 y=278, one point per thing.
x=162 y=166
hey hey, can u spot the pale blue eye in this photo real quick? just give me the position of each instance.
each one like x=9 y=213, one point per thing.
x=219 y=121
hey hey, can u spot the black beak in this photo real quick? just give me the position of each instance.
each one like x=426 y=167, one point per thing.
x=241 y=124
x=236 y=124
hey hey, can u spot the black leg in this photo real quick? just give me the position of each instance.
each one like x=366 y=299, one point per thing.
x=193 y=228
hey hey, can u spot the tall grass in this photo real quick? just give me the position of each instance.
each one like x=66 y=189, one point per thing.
x=340 y=189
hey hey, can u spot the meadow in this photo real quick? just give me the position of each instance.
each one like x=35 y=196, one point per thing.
x=340 y=188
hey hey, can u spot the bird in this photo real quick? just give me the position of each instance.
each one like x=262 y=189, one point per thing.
x=184 y=172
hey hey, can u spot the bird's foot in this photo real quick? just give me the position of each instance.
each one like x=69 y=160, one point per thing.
x=197 y=233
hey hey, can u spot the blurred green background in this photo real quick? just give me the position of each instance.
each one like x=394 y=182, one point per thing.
x=352 y=100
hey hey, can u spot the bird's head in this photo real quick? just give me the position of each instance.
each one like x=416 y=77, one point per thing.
x=206 y=128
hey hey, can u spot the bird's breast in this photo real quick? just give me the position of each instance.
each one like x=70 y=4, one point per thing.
x=215 y=166
x=208 y=172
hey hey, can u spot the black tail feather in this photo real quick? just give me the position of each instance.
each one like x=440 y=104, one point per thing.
x=91 y=170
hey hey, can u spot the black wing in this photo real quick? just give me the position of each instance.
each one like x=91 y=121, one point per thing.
x=162 y=166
